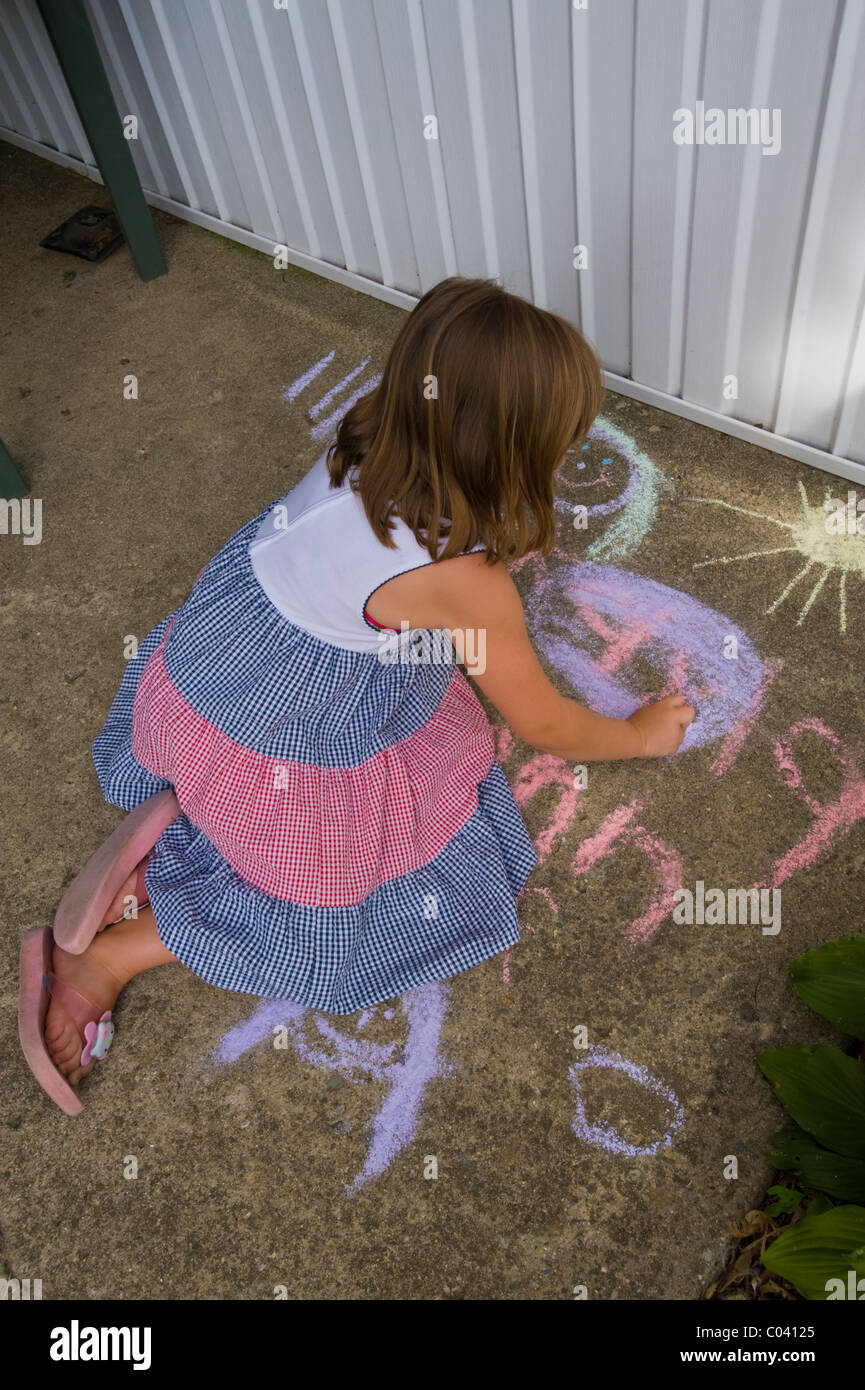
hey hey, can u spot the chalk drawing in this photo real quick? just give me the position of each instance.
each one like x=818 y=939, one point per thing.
x=828 y=554
x=732 y=745
x=636 y=504
x=833 y=819
x=337 y=390
x=300 y=383
x=504 y=742
x=538 y=771
x=626 y=617
x=619 y=830
x=544 y=770
x=327 y=427
x=680 y=638
x=323 y=429
x=605 y=1136
x=407 y=1069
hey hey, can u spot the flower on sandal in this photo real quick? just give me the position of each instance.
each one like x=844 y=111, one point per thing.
x=97 y=1037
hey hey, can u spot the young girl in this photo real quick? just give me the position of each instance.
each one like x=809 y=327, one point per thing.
x=345 y=831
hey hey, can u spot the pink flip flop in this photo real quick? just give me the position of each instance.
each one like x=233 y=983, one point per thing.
x=78 y=918
x=90 y=894
x=38 y=983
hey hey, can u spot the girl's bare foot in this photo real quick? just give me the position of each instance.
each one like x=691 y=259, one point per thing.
x=99 y=974
x=90 y=974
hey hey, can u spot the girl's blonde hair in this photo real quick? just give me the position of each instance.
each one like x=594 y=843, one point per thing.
x=481 y=395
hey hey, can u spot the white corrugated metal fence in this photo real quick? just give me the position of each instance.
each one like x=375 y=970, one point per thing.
x=721 y=282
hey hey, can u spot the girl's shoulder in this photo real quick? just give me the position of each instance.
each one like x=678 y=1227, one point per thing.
x=434 y=594
x=470 y=584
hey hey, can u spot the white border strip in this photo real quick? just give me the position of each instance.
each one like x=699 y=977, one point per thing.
x=648 y=395
x=739 y=429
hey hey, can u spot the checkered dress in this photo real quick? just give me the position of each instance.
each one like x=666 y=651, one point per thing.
x=346 y=832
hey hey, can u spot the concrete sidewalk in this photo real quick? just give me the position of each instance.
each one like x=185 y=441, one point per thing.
x=276 y=1148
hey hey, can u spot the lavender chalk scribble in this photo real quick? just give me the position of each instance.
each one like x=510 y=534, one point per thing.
x=408 y=1068
x=605 y=1136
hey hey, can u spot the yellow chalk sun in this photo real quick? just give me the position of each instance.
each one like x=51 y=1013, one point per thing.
x=830 y=553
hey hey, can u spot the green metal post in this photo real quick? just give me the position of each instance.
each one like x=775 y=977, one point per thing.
x=78 y=55
x=11 y=482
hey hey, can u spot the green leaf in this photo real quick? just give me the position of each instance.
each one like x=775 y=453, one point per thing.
x=820 y=1248
x=794 y=1151
x=832 y=981
x=787 y=1199
x=823 y=1090
x=818 y=1205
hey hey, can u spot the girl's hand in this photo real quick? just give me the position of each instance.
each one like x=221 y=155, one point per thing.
x=662 y=726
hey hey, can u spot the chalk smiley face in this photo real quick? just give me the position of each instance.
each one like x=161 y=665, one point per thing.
x=611 y=477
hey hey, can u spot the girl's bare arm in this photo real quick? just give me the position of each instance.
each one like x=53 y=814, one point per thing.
x=473 y=595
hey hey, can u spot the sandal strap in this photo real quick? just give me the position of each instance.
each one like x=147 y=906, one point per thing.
x=60 y=987
x=96 y=1035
